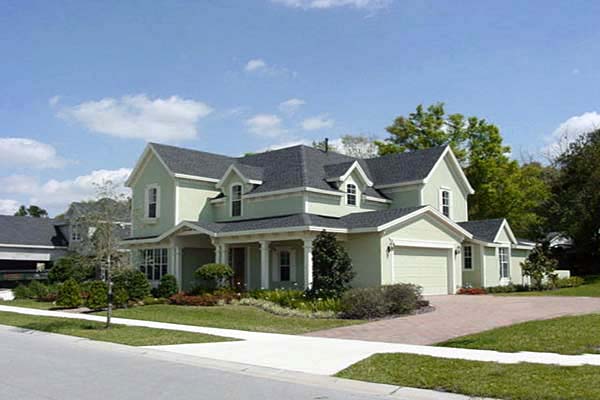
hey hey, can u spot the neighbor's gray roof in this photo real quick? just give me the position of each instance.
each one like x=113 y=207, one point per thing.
x=300 y=166
x=30 y=231
x=82 y=209
x=485 y=229
x=369 y=219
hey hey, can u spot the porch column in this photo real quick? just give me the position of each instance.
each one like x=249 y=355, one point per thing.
x=308 y=264
x=178 y=264
x=224 y=254
x=264 y=264
x=217 y=253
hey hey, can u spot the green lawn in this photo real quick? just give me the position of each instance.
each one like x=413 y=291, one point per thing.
x=475 y=378
x=28 y=304
x=230 y=317
x=565 y=335
x=591 y=288
x=129 y=335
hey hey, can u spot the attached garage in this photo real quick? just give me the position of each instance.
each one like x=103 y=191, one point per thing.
x=426 y=267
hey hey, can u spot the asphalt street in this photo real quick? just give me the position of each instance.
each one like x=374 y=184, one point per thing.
x=35 y=365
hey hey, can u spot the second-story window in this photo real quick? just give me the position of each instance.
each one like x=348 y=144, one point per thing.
x=75 y=233
x=236 y=200
x=152 y=202
x=445 y=203
x=351 y=194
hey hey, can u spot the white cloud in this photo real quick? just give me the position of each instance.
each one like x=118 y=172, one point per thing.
x=54 y=100
x=319 y=122
x=268 y=125
x=291 y=106
x=325 y=4
x=255 y=64
x=569 y=131
x=28 y=152
x=58 y=194
x=8 y=207
x=140 y=117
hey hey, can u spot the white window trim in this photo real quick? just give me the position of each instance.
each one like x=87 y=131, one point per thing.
x=349 y=194
x=75 y=228
x=441 y=201
x=507 y=277
x=231 y=199
x=144 y=263
x=464 y=258
x=147 y=202
x=276 y=267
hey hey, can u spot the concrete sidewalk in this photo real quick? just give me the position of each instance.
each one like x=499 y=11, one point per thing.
x=322 y=356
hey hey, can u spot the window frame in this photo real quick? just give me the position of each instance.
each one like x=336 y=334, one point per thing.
x=233 y=200
x=504 y=261
x=156 y=203
x=444 y=206
x=154 y=263
x=468 y=257
x=351 y=195
x=283 y=266
x=75 y=233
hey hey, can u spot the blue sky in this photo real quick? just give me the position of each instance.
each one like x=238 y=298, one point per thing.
x=84 y=84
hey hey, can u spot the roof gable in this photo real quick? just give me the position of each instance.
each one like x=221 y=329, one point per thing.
x=489 y=230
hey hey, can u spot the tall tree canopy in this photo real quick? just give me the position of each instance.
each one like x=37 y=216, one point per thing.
x=574 y=206
x=502 y=187
x=31 y=211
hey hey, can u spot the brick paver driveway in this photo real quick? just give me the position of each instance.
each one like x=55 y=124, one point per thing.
x=462 y=315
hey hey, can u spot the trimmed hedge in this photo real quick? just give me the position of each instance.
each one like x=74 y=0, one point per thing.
x=382 y=301
x=69 y=294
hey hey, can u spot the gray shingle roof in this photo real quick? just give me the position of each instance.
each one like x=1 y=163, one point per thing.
x=300 y=166
x=485 y=229
x=369 y=219
x=30 y=231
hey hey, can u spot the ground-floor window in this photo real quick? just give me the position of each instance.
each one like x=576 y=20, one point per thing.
x=154 y=263
x=468 y=257
x=503 y=259
x=284 y=265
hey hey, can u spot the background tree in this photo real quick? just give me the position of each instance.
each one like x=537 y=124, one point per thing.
x=359 y=146
x=538 y=267
x=574 y=204
x=31 y=211
x=332 y=267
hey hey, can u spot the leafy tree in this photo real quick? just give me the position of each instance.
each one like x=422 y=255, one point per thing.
x=574 y=205
x=538 y=266
x=31 y=211
x=332 y=267
x=69 y=294
x=359 y=146
x=167 y=286
x=322 y=144
x=216 y=275
x=72 y=266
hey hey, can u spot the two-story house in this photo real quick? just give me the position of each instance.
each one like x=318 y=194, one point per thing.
x=401 y=217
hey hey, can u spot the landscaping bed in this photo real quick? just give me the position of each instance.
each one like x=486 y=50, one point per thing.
x=483 y=379
x=565 y=335
x=128 y=335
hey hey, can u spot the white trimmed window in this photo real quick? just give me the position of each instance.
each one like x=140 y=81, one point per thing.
x=445 y=202
x=503 y=260
x=236 y=200
x=351 y=194
x=154 y=263
x=285 y=266
x=75 y=233
x=152 y=202
x=467 y=257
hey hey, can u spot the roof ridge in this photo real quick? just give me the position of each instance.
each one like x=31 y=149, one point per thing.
x=303 y=164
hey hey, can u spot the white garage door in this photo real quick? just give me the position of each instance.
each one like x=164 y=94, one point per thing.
x=425 y=267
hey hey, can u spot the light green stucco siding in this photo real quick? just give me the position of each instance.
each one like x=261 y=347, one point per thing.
x=473 y=277
x=492 y=268
x=424 y=228
x=503 y=236
x=192 y=259
x=517 y=256
x=444 y=178
x=193 y=200
x=365 y=251
x=404 y=197
x=259 y=207
x=153 y=173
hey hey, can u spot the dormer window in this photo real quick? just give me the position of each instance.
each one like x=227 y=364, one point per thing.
x=351 y=194
x=152 y=202
x=75 y=233
x=236 y=200
x=445 y=203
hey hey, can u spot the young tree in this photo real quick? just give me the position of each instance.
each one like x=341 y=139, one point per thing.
x=332 y=267
x=538 y=266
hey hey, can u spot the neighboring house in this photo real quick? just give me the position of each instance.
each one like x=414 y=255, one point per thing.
x=28 y=246
x=401 y=218
x=77 y=223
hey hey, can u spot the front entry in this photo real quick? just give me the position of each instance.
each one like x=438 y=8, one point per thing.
x=237 y=261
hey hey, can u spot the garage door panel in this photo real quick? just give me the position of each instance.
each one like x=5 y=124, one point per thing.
x=425 y=267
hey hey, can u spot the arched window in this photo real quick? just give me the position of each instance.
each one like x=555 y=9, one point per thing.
x=236 y=200
x=351 y=194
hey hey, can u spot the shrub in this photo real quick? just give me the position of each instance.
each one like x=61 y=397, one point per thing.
x=72 y=266
x=150 y=301
x=472 y=291
x=182 y=299
x=167 y=286
x=276 y=309
x=69 y=295
x=215 y=275
x=332 y=267
x=120 y=296
x=364 y=303
x=136 y=283
x=402 y=298
x=573 y=281
x=98 y=295
x=22 y=292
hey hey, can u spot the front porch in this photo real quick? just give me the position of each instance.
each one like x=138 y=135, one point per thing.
x=259 y=261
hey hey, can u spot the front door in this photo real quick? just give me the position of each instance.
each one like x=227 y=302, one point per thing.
x=237 y=260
